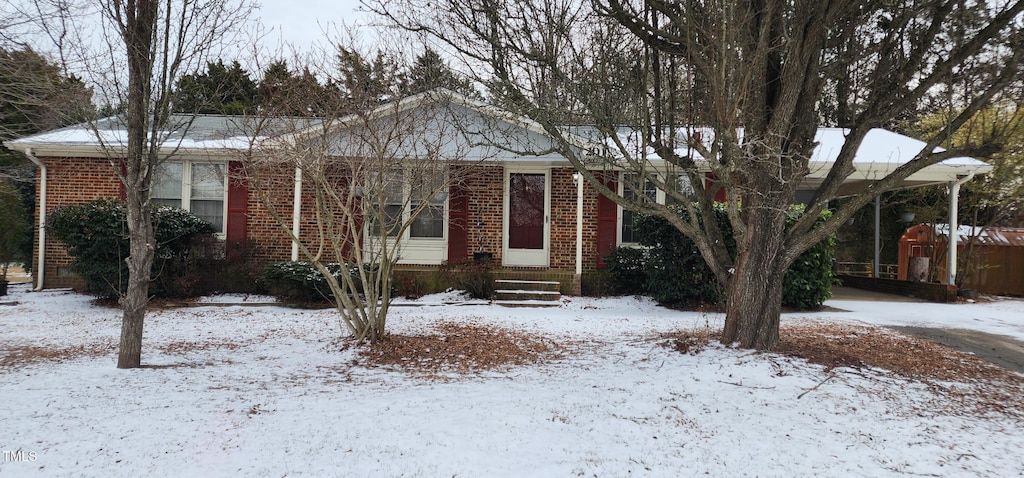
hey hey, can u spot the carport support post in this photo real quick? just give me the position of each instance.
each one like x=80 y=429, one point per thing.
x=878 y=242
x=953 y=235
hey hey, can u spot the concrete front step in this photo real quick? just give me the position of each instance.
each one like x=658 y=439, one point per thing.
x=518 y=294
x=528 y=303
x=539 y=285
x=527 y=293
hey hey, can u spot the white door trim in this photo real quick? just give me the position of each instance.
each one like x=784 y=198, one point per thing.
x=526 y=257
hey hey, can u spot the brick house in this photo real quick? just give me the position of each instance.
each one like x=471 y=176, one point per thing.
x=519 y=202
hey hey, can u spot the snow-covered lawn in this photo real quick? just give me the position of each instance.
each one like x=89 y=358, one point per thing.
x=266 y=391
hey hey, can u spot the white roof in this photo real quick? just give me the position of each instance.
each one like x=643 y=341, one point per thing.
x=881 y=152
x=206 y=134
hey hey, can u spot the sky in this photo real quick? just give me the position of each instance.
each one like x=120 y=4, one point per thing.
x=304 y=22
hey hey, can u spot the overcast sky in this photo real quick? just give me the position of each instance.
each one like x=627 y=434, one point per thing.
x=301 y=23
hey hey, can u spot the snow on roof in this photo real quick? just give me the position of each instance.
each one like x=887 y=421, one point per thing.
x=879 y=146
x=987 y=236
x=210 y=132
x=880 y=153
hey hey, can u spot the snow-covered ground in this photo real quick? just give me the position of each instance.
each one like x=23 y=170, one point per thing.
x=263 y=391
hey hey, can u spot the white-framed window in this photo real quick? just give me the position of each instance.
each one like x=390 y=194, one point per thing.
x=199 y=187
x=627 y=183
x=430 y=198
x=392 y=198
x=627 y=227
x=399 y=198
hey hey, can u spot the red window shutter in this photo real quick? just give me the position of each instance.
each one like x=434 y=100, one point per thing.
x=353 y=239
x=711 y=182
x=238 y=207
x=458 y=221
x=607 y=220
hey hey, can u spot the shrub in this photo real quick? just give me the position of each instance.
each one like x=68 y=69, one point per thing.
x=299 y=281
x=626 y=265
x=238 y=271
x=672 y=271
x=96 y=235
x=412 y=284
x=675 y=270
x=809 y=280
x=476 y=277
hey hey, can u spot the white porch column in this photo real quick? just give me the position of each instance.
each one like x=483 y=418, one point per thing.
x=953 y=234
x=296 y=213
x=39 y=272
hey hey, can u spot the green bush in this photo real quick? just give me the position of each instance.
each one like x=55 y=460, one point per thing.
x=16 y=226
x=675 y=270
x=297 y=281
x=476 y=277
x=809 y=280
x=626 y=265
x=300 y=281
x=669 y=267
x=96 y=235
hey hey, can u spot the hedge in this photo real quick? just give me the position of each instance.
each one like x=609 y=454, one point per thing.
x=669 y=267
x=96 y=236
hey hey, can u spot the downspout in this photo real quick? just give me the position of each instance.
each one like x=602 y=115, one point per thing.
x=296 y=212
x=953 y=235
x=40 y=269
x=579 y=224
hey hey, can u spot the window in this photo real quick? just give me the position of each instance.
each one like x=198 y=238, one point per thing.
x=198 y=187
x=627 y=227
x=399 y=199
x=430 y=196
x=682 y=183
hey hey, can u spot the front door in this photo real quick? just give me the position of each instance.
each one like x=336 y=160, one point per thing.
x=526 y=224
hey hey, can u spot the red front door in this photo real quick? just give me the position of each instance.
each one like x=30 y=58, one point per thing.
x=526 y=211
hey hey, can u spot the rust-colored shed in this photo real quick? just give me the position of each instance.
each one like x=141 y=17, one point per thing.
x=996 y=255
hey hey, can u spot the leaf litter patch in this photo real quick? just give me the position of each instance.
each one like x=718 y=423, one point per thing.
x=459 y=348
x=971 y=385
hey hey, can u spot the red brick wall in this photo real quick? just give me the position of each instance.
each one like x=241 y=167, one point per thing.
x=268 y=242
x=70 y=181
x=485 y=185
x=73 y=181
x=486 y=188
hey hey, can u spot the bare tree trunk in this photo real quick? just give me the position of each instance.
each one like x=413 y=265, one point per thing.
x=139 y=28
x=754 y=292
x=140 y=264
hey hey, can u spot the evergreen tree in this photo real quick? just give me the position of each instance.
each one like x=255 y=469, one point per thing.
x=364 y=82
x=222 y=89
x=286 y=93
x=430 y=71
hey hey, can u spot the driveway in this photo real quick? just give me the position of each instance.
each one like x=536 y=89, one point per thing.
x=998 y=349
x=901 y=314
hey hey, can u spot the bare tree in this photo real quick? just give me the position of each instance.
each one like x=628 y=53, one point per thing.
x=732 y=88
x=373 y=177
x=138 y=50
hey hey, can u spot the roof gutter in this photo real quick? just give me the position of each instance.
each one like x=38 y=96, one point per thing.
x=40 y=267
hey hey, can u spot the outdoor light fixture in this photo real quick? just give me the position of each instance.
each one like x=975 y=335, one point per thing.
x=907 y=216
x=575 y=179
